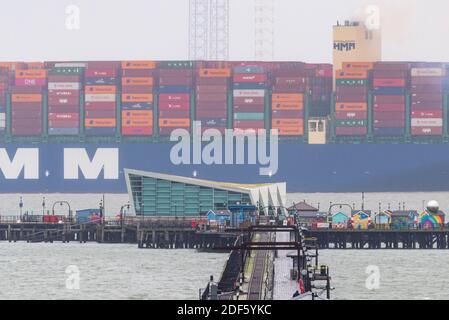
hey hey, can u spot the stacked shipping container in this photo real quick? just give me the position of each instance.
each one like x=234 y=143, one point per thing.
x=26 y=102
x=427 y=99
x=249 y=91
x=137 y=97
x=390 y=81
x=212 y=98
x=351 y=108
x=287 y=100
x=175 y=88
x=4 y=86
x=100 y=98
x=64 y=87
x=321 y=87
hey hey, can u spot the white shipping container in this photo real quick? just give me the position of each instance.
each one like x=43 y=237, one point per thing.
x=429 y=122
x=428 y=72
x=2 y=116
x=250 y=93
x=95 y=97
x=71 y=65
x=64 y=86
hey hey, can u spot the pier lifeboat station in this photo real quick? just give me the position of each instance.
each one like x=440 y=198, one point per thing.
x=157 y=194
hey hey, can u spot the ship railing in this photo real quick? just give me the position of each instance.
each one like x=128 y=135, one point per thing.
x=162 y=221
x=32 y=219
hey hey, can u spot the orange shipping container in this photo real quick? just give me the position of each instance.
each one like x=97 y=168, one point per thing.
x=137 y=114
x=137 y=123
x=138 y=64
x=33 y=74
x=174 y=122
x=358 y=65
x=287 y=105
x=137 y=97
x=351 y=74
x=137 y=81
x=351 y=107
x=287 y=97
x=215 y=73
x=279 y=123
x=26 y=98
x=101 y=89
x=290 y=131
x=107 y=122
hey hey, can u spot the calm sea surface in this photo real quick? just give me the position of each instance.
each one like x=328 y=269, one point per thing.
x=38 y=271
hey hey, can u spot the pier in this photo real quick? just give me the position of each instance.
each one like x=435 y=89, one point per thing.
x=381 y=239
x=146 y=232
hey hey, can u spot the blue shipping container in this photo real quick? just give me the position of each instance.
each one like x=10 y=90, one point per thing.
x=88 y=215
x=389 y=131
x=249 y=69
x=97 y=81
x=137 y=106
x=63 y=131
x=100 y=131
x=249 y=85
x=174 y=89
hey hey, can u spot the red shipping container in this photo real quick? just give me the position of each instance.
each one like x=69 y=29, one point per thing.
x=174 y=97
x=63 y=123
x=389 y=115
x=348 y=90
x=26 y=131
x=30 y=90
x=389 y=99
x=40 y=82
x=139 y=73
x=63 y=116
x=175 y=81
x=219 y=105
x=424 y=97
x=351 y=131
x=206 y=114
x=389 y=107
x=137 y=131
x=212 y=89
x=63 y=78
x=70 y=101
x=100 y=72
x=180 y=73
x=100 y=105
x=249 y=77
x=426 y=88
x=430 y=131
x=137 y=89
x=26 y=114
x=389 y=123
x=64 y=109
x=429 y=105
x=392 y=82
x=212 y=82
x=356 y=115
x=256 y=100
x=174 y=114
x=97 y=114
x=427 y=81
x=389 y=66
x=249 y=124
x=351 y=98
x=426 y=114
x=211 y=97
x=285 y=89
x=176 y=105
x=249 y=108
x=389 y=74
x=166 y=131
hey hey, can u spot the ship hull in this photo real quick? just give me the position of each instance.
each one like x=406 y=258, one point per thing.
x=305 y=168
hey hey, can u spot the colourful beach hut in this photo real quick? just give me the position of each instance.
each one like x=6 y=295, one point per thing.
x=404 y=219
x=382 y=220
x=340 y=221
x=427 y=220
x=361 y=219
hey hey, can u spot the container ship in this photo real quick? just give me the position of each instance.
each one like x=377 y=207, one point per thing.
x=359 y=124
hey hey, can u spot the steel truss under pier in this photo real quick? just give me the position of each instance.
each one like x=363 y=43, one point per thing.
x=381 y=239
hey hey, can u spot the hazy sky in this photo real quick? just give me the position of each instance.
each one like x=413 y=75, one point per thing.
x=158 y=29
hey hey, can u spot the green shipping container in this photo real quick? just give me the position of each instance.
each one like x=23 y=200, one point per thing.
x=352 y=82
x=351 y=123
x=68 y=71
x=249 y=116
